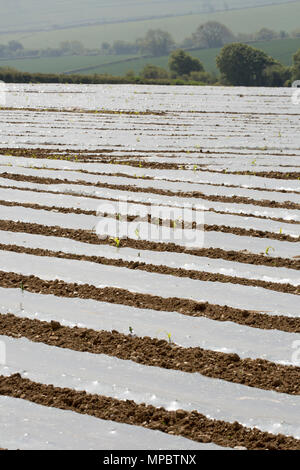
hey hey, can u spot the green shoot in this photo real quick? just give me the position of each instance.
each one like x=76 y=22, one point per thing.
x=268 y=249
x=137 y=232
x=116 y=240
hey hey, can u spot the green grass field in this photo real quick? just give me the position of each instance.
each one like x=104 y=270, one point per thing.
x=281 y=49
x=278 y=17
x=60 y=64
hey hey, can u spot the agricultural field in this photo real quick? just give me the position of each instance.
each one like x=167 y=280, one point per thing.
x=284 y=16
x=65 y=64
x=150 y=265
x=281 y=49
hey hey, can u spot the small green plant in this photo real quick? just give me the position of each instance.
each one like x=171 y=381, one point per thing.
x=137 y=232
x=22 y=287
x=268 y=250
x=116 y=240
x=131 y=330
x=169 y=338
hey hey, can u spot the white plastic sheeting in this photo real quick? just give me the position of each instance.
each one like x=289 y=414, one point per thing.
x=115 y=207
x=104 y=375
x=83 y=272
x=227 y=337
x=28 y=426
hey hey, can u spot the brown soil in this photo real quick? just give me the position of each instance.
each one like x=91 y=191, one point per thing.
x=157 y=353
x=167 y=222
x=42 y=152
x=87 y=111
x=268 y=174
x=191 y=425
x=149 y=178
x=160 y=269
x=146 y=301
x=92 y=238
x=183 y=166
x=191 y=194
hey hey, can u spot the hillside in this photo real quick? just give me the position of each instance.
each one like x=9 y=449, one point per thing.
x=33 y=15
x=278 y=17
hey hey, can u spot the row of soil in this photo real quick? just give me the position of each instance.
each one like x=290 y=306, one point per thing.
x=153 y=352
x=149 y=178
x=148 y=112
x=266 y=174
x=88 y=236
x=184 y=166
x=87 y=111
x=191 y=425
x=150 y=302
x=152 y=268
x=161 y=222
x=163 y=192
x=106 y=161
x=57 y=154
x=89 y=196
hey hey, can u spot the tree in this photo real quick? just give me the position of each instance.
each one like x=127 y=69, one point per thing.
x=182 y=63
x=153 y=72
x=212 y=34
x=265 y=34
x=105 y=47
x=296 y=66
x=156 y=42
x=243 y=65
x=15 y=46
x=296 y=33
x=123 y=47
x=276 y=75
x=72 y=47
